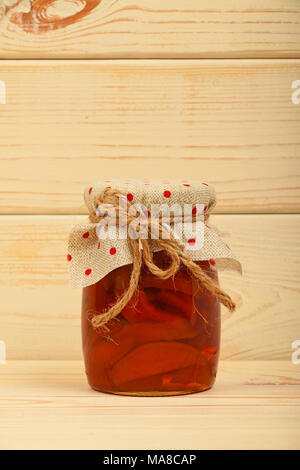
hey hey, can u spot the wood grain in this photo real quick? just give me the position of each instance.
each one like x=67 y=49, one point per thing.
x=48 y=405
x=149 y=28
x=40 y=313
x=231 y=123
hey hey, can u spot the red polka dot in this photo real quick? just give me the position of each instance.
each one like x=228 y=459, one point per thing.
x=205 y=208
x=98 y=245
x=167 y=193
x=88 y=272
x=187 y=185
x=69 y=257
x=205 y=184
x=129 y=196
x=212 y=262
x=191 y=241
x=149 y=213
x=86 y=235
x=90 y=190
x=113 y=251
x=194 y=210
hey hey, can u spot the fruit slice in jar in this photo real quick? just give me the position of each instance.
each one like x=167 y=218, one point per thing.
x=152 y=359
x=171 y=301
x=189 y=378
x=194 y=377
x=141 y=309
x=123 y=337
x=181 y=282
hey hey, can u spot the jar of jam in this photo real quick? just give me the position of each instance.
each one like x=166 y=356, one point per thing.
x=165 y=337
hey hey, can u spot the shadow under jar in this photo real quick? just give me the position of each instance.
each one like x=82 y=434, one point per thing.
x=164 y=342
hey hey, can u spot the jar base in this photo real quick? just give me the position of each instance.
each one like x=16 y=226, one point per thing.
x=153 y=393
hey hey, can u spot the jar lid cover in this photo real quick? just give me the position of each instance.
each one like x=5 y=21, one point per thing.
x=92 y=258
x=149 y=192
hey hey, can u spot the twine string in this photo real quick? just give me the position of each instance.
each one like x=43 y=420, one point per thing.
x=142 y=253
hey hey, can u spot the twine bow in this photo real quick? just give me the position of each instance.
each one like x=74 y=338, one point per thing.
x=142 y=253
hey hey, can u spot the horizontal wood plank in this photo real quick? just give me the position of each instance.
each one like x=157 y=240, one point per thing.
x=149 y=28
x=40 y=313
x=48 y=405
x=232 y=123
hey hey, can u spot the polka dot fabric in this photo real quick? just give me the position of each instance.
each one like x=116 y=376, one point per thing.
x=149 y=192
x=90 y=259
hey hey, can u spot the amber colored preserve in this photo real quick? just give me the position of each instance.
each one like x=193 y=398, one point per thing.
x=166 y=340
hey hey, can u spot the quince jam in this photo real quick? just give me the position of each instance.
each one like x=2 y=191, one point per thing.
x=164 y=342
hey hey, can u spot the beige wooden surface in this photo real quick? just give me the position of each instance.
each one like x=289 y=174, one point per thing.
x=149 y=28
x=232 y=123
x=40 y=313
x=48 y=405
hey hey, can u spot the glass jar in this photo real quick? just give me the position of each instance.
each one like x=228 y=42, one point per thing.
x=164 y=342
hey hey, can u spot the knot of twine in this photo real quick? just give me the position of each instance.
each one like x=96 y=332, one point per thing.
x=142 y=253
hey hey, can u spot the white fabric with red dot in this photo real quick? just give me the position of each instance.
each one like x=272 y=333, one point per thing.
x=90 y=259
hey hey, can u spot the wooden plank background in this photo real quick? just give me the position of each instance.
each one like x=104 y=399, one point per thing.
x=159 y=88
x=223 y=114
x=40 y=313
x=230 y=122
x=149 y=28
